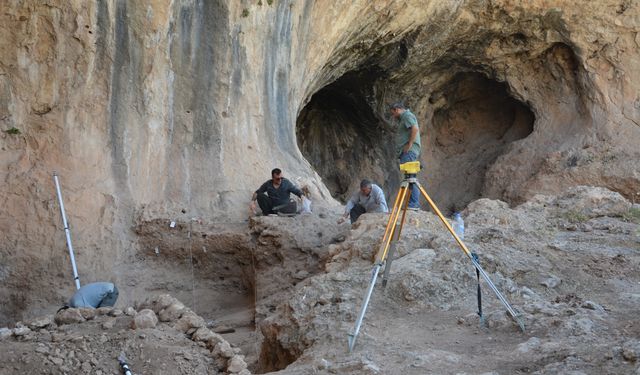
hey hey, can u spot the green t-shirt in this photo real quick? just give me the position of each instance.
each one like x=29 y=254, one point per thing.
x=406 y=121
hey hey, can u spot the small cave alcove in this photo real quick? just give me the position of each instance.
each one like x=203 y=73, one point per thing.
x=475 y=121
x=339 y=133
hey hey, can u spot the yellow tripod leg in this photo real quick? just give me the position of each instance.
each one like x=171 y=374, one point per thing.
x=396 y=204
x=476 y=264
x=384 y=246
x=444 y=221
x=388 y=259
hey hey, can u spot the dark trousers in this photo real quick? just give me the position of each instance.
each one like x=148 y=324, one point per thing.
x=110 y=299
x=356 y=211
x=268 y=206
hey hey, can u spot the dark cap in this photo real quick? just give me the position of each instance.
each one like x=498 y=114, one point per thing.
x=397 y=105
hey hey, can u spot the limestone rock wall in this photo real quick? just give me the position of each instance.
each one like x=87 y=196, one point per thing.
x=153 y=107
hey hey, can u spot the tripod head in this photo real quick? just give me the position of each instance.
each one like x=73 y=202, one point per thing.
x=410 y=169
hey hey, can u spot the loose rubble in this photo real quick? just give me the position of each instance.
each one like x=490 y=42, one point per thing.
x=90 y=342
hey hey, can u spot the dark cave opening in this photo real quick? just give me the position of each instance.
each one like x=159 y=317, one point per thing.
x=474 y=120
x=342 y=137
x=476 y=124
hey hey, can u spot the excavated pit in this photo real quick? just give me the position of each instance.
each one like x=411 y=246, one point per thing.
x=208 y=267
x=229 y=274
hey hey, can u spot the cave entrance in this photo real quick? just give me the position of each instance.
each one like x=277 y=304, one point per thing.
x=475 y=122
x=342 y=137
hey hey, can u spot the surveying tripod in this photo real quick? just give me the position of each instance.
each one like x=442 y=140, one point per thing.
x=384 y=256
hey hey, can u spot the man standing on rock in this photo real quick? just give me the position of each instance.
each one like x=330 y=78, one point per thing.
x=407 y=143
x=273 y=196
x=370 y=198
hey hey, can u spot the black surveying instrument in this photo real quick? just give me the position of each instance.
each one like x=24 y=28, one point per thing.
x=392 y=232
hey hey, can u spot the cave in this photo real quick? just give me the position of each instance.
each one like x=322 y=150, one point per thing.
x=475 y=120
x=343 y=138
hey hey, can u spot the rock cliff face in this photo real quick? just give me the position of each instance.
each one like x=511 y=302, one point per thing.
x=151 y=108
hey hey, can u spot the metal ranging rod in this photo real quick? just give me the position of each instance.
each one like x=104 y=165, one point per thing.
x=67 y=232
x=391 y=235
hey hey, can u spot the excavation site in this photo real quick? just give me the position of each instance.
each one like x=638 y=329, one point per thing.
x=307 y=187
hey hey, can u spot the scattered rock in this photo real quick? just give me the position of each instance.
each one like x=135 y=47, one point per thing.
x=21 y=331
x=56 y=360
x=103 y=310
x=189 y=320
x=551 y=282
x=171 y=312
x=339 y=276
x=592 y=306
x=631 y=350
x=86 y=367
x=203 y=334
x=109 y=323
x=529 y=345
x=158 y=303
x=145 y=319
x=130 y=311
x=593 y=202
x=39 y=323
x=87 y=313
x=236 y=364
x=223 y=349
x=115 y=312
x=301 y=275
x=69 y=316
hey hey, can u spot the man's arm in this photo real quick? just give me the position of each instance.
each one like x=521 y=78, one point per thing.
x=260 y=190
x=350 y=203
x=378 y=197
x=294 y=189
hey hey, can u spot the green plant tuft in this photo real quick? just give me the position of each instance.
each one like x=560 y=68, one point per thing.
x=575 y=217
x=633 y=215
x=13 y=131
x=269 y=2
x=245 y=12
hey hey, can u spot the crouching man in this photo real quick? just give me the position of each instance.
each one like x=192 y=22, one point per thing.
x=274 y=195
x=100 y=294
x=370 y=198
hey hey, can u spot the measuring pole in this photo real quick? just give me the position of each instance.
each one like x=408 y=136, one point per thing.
x=67 y=232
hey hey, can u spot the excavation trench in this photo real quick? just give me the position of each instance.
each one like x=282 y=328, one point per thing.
x=229 y=275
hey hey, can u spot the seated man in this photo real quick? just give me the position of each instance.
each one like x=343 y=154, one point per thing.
x=95 y=295
x=277 y=195
x=370 y=198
